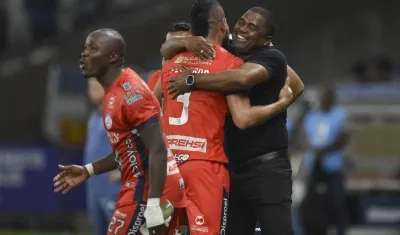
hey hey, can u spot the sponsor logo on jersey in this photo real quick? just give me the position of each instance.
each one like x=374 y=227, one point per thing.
x=198 y=226
x=187 y=143
x=139 y=220
x=113 y=137
x=131 y=152
x=132 y=96
x=224 y=217
x=172 y=167
x=126 y=86
x=180 y=158
x=179 y=60
x=108 y=121
x=192 y=60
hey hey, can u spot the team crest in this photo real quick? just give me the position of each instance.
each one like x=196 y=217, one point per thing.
x=126 y=86
x=108 y=121
x=132 y=97
x=179 y=60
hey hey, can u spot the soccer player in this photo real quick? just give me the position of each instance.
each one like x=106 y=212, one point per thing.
x=194 y=123
x=259 y=154
x=101 y=191
x=131 y=119
x=178 y=29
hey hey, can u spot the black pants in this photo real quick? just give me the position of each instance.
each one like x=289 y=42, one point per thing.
x=321 y=209
x=261 y=193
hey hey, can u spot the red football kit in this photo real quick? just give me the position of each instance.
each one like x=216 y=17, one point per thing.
x=128 y=106
x=194 y=127
x=154 y=79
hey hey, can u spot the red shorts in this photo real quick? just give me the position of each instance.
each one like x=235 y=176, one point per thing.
x=207 y=189
x=128 y=219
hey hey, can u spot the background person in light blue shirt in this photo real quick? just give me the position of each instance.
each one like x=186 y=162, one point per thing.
x=102 y=190
x=326 y=136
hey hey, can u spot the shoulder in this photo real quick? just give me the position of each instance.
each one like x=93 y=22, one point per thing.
x=223 y=53
x=227 y=58
x=156 y=73
x=263 y=53
x=153 y=79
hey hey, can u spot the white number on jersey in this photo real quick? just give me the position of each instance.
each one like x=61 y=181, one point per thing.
x=117 y=227
x=185 y=111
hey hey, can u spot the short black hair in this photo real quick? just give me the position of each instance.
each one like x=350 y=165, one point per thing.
x=270 y=26
x=179 y=26
x=200 y=16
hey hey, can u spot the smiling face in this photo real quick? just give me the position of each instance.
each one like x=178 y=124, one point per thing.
x=250 y=32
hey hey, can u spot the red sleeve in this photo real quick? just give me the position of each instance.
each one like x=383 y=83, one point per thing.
x=140 y=108
x=153 y=79
x=233 y=62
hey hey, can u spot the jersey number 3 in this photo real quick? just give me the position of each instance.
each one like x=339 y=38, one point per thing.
x=185 y=111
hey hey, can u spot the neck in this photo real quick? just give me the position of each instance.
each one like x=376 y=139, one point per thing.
x=246 y=54
x=214 y=38
x=109 y=78
x=242 y=55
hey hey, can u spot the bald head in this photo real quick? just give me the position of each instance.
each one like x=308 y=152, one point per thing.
x=112 y=41
x=104 y=51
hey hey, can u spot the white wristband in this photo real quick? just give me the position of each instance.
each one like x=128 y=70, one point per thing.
x=153 y=202
x=89 y=168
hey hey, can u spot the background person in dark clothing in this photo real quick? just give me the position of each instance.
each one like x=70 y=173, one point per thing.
x=261 y=183
x=326 y=135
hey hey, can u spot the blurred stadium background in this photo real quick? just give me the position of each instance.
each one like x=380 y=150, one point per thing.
x=351 y=44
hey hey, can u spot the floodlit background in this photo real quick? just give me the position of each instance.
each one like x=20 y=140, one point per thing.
x=352 y=45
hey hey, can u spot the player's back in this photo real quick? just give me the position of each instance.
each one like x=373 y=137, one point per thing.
x=194 y=122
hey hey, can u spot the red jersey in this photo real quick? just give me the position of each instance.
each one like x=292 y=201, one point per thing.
x=154 y=79
x=128 y=106
x=194 y=122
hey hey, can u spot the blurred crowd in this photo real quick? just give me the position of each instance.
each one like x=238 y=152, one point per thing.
x=25 y=22
x=352 y=183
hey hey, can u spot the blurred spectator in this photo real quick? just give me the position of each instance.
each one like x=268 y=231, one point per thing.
x=376 y=69
x=326 y=136
x=17 y=23
x=43 y=16
x=102 y=190
x=3 y=27
x=67 y=15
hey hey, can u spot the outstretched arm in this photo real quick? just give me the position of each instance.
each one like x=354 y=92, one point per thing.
x=243 y=78
x=104 y=164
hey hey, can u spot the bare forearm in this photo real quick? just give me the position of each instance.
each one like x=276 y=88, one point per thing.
x=158 y=172
x=172 y=47
x=225 y=81
x=257 y=115
x=104 y=164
